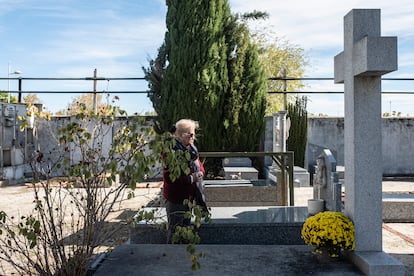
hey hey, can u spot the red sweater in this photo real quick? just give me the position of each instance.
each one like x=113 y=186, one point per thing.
x=182 y=188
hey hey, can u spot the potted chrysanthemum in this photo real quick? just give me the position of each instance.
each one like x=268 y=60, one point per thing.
x=329 y=232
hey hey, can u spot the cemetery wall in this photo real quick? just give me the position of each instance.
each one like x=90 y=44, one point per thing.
x=323 y=132
x=397 y=142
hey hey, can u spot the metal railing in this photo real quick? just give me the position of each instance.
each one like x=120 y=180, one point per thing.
x=284 y=161
x=95 y=79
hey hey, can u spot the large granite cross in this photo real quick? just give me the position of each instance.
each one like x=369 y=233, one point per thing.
x=365 y=58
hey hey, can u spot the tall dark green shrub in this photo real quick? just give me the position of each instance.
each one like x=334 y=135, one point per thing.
x=298 y=129
x=246 y=97
x=208 y=70
x=154 y=74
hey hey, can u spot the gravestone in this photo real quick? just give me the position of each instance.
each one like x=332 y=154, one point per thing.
x=365 y=58
x=312 y=153
x=238 y=168
x=281 y=130
x=276 y=135
x=326 y=183
x=233 y=225
x=241 y=186
x=277 y=130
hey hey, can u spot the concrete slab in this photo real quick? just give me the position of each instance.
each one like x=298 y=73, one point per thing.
x=398 y=207
x=157 y=259
x=237 y=162
x=242 y=195
x=377 y=263
x=227 y=183
x=301 y=177
x=248 y=173
x=236 y=225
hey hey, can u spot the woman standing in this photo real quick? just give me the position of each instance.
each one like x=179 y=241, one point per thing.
x=185 y=186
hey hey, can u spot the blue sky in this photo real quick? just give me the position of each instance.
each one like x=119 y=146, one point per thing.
x=70 y=38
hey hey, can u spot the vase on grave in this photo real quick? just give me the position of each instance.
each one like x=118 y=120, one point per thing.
x=315 y=206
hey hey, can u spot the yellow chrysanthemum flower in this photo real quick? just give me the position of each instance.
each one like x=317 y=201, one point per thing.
x=329 y=231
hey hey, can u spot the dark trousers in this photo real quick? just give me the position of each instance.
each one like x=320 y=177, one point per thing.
x=175 y=216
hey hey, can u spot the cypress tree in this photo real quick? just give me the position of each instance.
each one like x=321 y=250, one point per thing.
x=208 y=70
x=245 y=100
x=298 y=132
x=154 y=75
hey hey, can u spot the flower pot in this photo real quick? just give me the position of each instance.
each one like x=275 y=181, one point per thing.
x=325 y=258
x=315 y=206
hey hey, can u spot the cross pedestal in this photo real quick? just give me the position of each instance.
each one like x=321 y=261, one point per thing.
x=365 y=58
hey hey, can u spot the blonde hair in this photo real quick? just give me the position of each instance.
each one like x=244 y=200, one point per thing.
x=185 y=126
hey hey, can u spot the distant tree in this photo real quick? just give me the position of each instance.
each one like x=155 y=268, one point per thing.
x=61 y=112
x=318 y=115
x=85 y=100
x=208 y=69
x=279 y=58
x=4 y=97
x=31 y=99
x=392 y=114
x=149 y=113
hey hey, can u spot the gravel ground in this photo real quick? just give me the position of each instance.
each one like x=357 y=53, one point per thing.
x=18 y=200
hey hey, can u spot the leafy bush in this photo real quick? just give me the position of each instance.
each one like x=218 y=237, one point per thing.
x=62 y=233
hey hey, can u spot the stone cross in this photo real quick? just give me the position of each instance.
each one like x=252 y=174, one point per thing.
x=365 y=58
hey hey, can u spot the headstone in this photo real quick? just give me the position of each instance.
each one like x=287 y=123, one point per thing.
x=279 y=134
x=365 y=58
x=237 y=168
x=237 y=162
x=312 y=153
x=276 y=134
x=281 y=129
x=301 y=177
x=326 y=183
